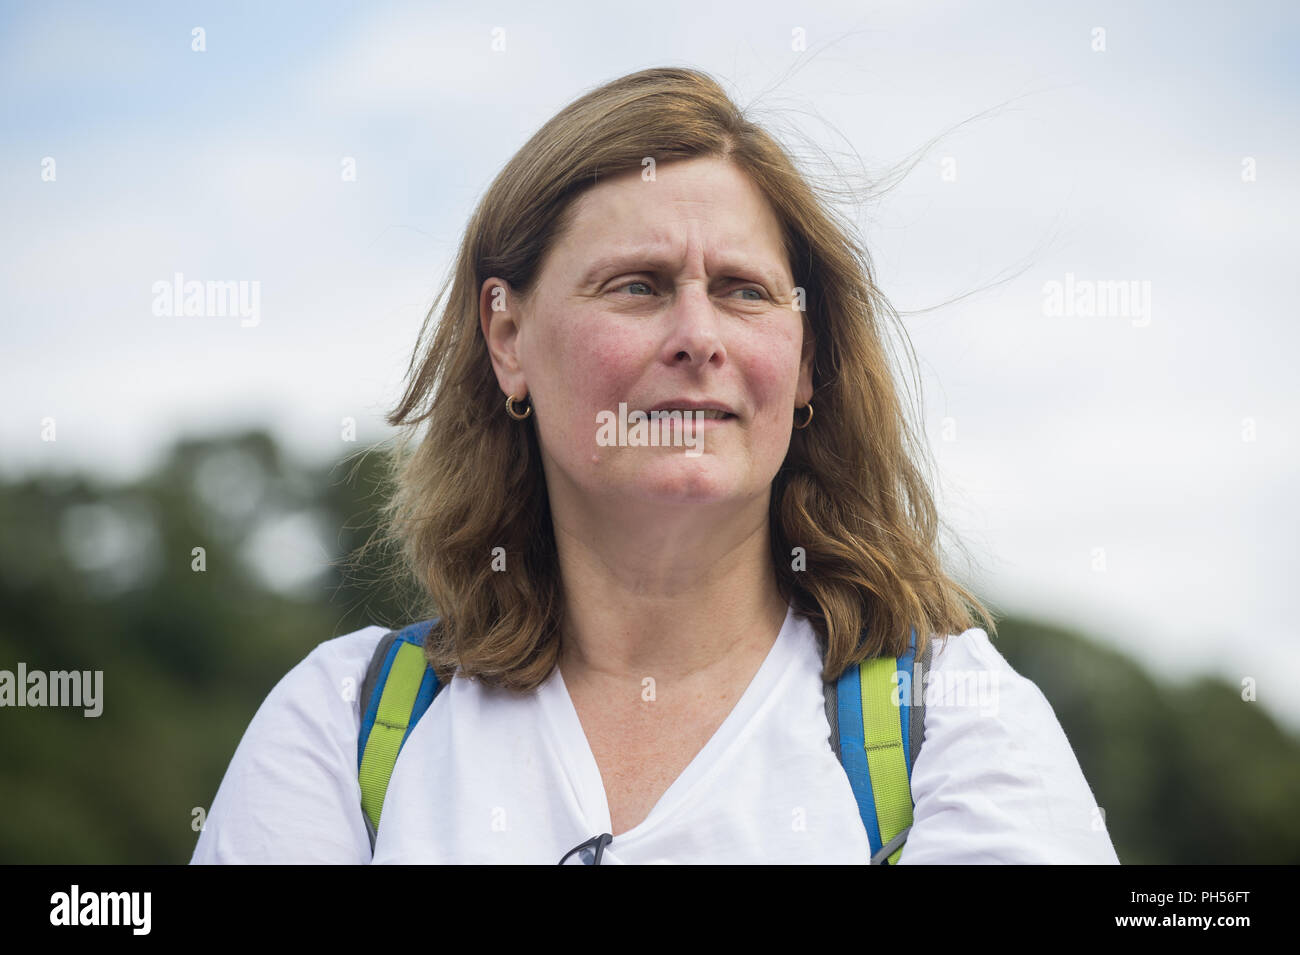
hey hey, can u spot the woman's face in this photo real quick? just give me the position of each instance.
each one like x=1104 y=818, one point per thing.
x=661 y=293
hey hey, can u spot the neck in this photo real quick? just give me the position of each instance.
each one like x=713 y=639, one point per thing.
x=671 y=594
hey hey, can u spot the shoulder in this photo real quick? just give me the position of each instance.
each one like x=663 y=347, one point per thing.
x=996 y=779
x=333 y=666
x=323 y=688
x=290 y=793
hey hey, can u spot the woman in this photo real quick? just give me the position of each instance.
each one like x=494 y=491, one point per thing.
x=634 y=637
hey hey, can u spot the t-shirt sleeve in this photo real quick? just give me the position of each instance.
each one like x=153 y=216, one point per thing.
x=290 y=793
x=996 y=780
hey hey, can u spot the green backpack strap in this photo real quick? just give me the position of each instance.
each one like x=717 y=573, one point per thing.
x=398 y=688
x=877 y=740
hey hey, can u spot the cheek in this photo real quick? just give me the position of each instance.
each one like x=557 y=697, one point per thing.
x=602 y=353
x=772 y=370
x=592 y=366
x=612 y=356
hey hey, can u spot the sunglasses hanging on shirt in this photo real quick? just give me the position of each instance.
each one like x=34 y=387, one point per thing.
x=591 y=851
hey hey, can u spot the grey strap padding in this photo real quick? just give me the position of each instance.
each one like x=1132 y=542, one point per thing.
x=916 y=723
x=888 y=848
x=370 y=831
x=833 y=716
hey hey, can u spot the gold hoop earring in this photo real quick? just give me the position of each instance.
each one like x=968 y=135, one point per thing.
x=510 y=409
x=800 y=427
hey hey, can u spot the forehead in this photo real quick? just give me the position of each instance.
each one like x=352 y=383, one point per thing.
x=704 y=202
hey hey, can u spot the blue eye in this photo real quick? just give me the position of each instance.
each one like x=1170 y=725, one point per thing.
x=760 y=295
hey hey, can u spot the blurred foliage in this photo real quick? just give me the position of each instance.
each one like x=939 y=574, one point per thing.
x=100 y=577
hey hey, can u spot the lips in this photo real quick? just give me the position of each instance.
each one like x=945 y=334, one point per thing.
x=707 y=414
x=712 y=409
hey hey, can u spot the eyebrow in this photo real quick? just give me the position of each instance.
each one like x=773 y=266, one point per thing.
x=654 y=260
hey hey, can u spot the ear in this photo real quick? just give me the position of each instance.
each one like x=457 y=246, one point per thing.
x=500 y=314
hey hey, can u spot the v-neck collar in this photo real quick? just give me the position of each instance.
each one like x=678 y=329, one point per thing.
x=584 y=774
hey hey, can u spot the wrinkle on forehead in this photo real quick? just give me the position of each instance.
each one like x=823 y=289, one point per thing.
x=623 y=222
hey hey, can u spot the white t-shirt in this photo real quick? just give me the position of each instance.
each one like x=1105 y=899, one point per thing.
x=495 y=776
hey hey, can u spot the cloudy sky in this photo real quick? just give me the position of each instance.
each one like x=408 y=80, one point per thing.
x=1128 y=470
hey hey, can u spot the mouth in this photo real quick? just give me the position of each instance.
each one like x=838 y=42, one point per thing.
x=711 y=410
x=709 y=414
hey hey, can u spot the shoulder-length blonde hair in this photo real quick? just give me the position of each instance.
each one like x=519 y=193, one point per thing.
x=471 y=487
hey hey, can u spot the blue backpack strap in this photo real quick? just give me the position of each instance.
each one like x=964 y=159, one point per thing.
x=877 y=753
x=399 y=686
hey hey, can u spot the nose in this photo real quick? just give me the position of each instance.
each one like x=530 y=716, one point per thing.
x=694 y=328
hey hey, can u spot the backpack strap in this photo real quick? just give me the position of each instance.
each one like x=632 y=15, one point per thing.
x=876 y=748
x=877 y=741
x=398 y=688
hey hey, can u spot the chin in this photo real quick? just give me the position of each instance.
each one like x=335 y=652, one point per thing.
x=689 y=483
